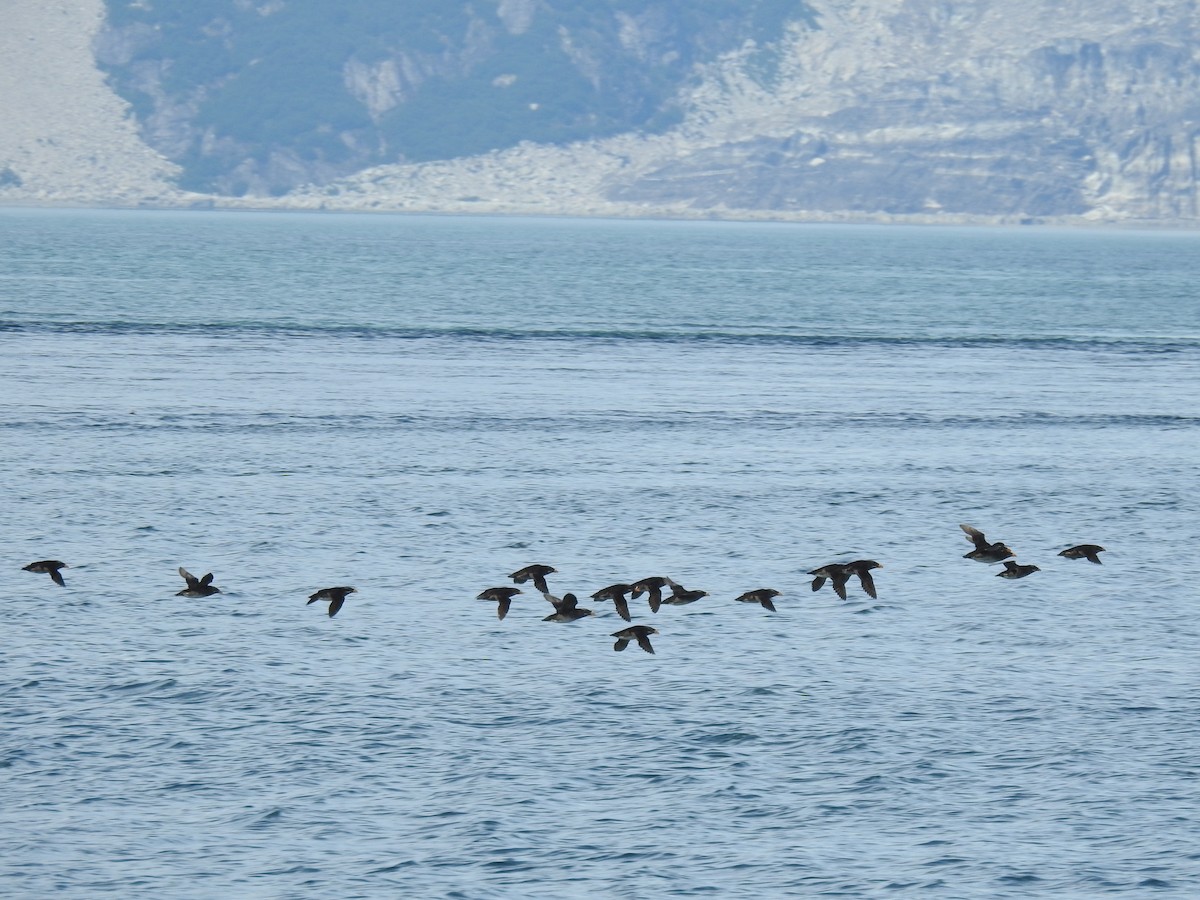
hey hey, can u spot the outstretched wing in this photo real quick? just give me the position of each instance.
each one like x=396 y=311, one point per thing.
x=839 y=583
x=622 y=606
x=975 y=536
x=868 y=583
x=655 y=599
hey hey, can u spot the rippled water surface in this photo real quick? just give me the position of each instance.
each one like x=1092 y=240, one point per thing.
x=419 y=406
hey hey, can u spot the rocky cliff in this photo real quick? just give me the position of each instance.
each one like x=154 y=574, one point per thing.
x=64 y=136
x=258 y=97
x=893 y=110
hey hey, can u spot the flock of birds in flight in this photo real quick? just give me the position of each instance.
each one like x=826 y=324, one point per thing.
x=567 y=609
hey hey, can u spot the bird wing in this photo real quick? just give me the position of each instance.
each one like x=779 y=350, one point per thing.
x=839 y=583
x=868 y=583
x=655 y=599
x=334 y=605
x=56 y=576
x=644 y=642
x=622 y=606
x=191 y=579
x=975 y=536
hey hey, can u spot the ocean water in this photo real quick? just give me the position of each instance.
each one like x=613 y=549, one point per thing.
x=420 y=406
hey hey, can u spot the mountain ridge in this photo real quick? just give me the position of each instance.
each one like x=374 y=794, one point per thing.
x=256 y=99
x=875 y=110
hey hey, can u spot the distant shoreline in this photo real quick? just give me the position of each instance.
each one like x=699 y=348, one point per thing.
x=502 y=210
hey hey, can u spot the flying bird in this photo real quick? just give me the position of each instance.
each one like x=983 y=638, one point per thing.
x=1090 y=552
x=197 y=587
x=502 y=596
x=616 y=593
x=985 y=552
x=566 y=608
x=762 y=596
x=862 y=568
x=48 y=567
x=536 y=573
x=639 y=633
x=838 y=574
x=1013 y=570
x=653 y=586
x=336 y=596
x=681 y=595
x=834 y=573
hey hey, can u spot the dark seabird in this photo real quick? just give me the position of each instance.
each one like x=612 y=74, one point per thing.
x=48 y=567
x=652 y=586
x=862 y=568
x=1013 y=570
x=639 y=633
x=197 y=587
x=1082 y=551
x=566 y=609
x=335 y=595
x=536 y=573
x=681 y=595
x=616 y=593
x=839 y=575
x=501 y=595
x=761 y=596
x=833 y=572
x=984 y=551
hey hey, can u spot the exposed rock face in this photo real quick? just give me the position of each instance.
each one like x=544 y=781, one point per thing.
x=1010 y=172
x=980 y=110
x=257 y=99
x=913 y=110
x=990 y=107
x=64 y=136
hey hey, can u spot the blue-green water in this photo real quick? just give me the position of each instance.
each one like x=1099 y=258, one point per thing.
x=419 y=406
